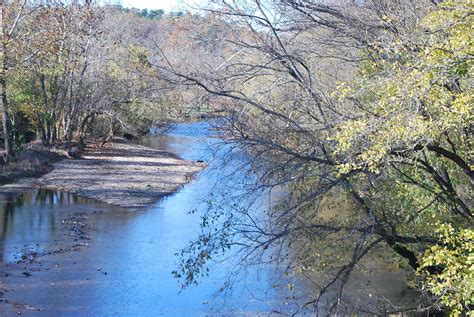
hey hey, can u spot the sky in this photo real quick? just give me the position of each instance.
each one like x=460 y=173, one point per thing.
x=167 y=5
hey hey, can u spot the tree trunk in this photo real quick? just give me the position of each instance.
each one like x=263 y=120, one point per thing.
x=7 y=133
x=109 y=135
x=82 y=130
x=70 y=128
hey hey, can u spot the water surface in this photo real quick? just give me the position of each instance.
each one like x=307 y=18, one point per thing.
x=122 y=263
x=62 y=255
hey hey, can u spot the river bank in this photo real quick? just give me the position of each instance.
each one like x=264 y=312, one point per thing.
x=33 y=161
x=119 y=173
x=65 y=255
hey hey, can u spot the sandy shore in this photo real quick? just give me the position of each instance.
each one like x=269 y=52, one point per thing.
x=119 y=173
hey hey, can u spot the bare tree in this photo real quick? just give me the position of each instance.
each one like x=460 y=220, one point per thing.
x=284 y=60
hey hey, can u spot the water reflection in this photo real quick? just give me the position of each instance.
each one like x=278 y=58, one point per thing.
x=32 y=221
x=126 y=268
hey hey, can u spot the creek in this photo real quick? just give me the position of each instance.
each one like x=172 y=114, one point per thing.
x=87 y=258
x=64 y=255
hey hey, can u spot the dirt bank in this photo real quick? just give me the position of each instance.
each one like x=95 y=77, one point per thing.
x=119 y=173
x=33 y=160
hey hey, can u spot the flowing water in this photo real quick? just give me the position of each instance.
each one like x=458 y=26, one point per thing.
x=99 y=260
x=62 y=255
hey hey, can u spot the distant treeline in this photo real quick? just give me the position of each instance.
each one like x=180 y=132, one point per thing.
x=152 y=14
x=84 y=70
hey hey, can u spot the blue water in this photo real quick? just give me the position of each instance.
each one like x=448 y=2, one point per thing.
x=125 y=269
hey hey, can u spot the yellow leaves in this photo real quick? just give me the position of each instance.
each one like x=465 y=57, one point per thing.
x=412 y=98
x=140 y=55
x=348 y=132
x=385 y=18
x=345 y=168
x=342 y=91
x=456 y=19
x=454 y=256
x=462 y=108
x=115 y=71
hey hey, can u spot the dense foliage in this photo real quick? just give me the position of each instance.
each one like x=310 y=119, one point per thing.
x=415 y=121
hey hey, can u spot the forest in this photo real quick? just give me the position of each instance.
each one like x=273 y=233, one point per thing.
x=361 y=111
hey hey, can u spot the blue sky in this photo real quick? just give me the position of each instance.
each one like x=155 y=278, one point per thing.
x=167 y=5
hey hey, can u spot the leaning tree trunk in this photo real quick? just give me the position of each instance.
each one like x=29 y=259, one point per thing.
x=82 y=129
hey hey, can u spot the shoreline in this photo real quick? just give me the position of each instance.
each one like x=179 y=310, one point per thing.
x=119 y=173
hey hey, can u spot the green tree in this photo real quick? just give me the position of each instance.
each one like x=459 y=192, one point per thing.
x=12 y=14
x=156 y=14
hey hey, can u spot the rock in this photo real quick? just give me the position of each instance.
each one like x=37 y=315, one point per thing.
x=73 y=152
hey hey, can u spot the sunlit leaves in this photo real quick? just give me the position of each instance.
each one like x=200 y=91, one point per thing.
x=412 y=96
x=414 y=92
x=454 y=259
